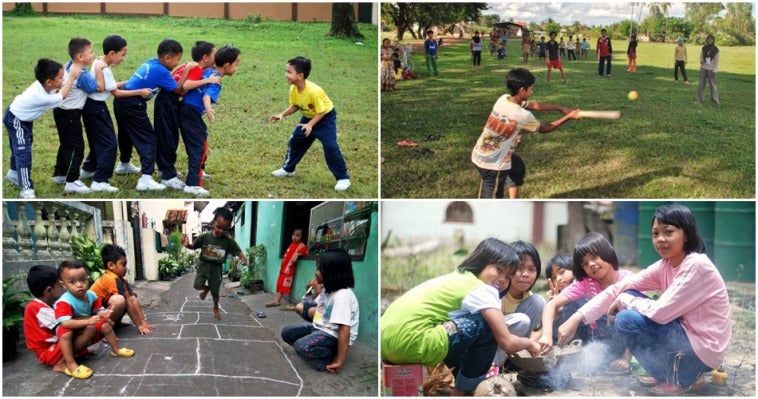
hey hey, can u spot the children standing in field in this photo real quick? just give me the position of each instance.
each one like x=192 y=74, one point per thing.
x=709 y=67
x=97 y=119
x=81 y=315
x=325 y=342
x=116 y=293
x=214 y=247
x=287 y=269
x=431 y=54
x=493 y=155
x=456 y=318
x=27 y=107
x=131 y=112
x=554 y=57
x=68 y=118
x=318 y=121
x=167 y=104
x=197 y=102
x=680 y=60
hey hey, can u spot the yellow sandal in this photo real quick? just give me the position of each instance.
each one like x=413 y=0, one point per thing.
x=82 y=372
x=123 y=352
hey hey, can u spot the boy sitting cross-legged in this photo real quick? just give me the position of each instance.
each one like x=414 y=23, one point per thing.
x=81 y=316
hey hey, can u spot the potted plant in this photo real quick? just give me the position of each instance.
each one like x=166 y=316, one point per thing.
x=14 y=300
x=167 y=268
x=87 y=251
x=256 y=263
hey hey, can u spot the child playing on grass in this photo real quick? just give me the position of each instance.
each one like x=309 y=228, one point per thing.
x=68 y=118
x=116 y=293
x=166 y=117
x=554 y=58
x=214 y=247
x=27 y=107
x=325 y=342
x=97 y=119
x=81 y=315
x=287 y=269
x=686 y=331
x=431 y=54
x=319 y=121
x=131 y=112
x=39 y=318
x=197 y=102
x=510 y=118
x=456 y=318
x=595 y=268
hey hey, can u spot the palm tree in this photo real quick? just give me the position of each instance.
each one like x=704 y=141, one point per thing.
x=661 y=9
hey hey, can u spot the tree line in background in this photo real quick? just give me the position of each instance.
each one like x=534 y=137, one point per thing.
x=731 y=23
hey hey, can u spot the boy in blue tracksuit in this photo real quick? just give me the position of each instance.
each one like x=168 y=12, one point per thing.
x=68 y=118
x=197 y=102
x=47 y=92
x=131 y=112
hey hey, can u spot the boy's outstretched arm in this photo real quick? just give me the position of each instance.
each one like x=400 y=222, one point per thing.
x=144 y=93
x=193 y=84
x=287 y=112
x=242 y=258
x=343 y=342
x=179 y=85
x=547 y=128
x=209 y=108
x=134 y=309
x=74 y=72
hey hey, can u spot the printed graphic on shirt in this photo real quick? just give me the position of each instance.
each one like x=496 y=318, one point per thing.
x=213 y=253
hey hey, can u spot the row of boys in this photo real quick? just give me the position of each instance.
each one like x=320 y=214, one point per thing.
x=82 y=99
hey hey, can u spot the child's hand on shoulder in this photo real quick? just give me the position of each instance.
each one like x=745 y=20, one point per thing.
x=214 y=79
x=75 y=70
x=145 y=93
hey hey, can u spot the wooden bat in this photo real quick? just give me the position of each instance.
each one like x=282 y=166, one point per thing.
x=600 y=114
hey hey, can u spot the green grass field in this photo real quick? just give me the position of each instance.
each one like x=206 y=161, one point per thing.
x=665 y=145
x=244 y=147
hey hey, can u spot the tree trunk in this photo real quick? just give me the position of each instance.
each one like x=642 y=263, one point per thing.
x=343 y=21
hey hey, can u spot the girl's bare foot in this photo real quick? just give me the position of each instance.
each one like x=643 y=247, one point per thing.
x=203 y=294
x=216 y=314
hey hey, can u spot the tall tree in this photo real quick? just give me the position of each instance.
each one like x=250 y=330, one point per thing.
x=703 y=16
x=658 y=10
x=343 y=21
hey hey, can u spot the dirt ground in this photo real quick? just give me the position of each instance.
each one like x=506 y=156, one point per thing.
x=739 y=363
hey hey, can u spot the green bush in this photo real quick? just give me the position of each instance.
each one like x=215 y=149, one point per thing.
x=14 y=300
x=88 y=252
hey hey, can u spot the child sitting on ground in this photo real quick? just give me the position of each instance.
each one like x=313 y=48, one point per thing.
x=319 y=121
x=27 y=107
x=81 y=315
x=596 y=268
x=39 y=318
x=558 y=274
x=116 y=293
x=324 y=343
x=287 y=269
x=456 y=318
x=214 y=247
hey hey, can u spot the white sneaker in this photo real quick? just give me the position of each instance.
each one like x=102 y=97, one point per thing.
x=282 y=173
x=28 y=194
x=103 y=187
x=77 y=187
x=148 y=183
x=174 y=183
x=127 y=169
x=12 y=176
x=342 y=185
x=83 y=174
x=196 y=190
x=59 y=179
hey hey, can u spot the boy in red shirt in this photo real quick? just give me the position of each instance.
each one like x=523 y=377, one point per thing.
x=39 y=318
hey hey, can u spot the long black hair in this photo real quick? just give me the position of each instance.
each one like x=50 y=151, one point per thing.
x=681 y=217
x=491 y=251
x=336 y=269
x=524 y=249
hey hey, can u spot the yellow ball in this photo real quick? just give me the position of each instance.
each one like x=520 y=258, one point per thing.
x=632 y=95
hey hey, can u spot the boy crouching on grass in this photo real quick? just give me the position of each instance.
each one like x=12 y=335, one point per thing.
x=319 y=121
x=510 y=118
x=27 y=107
x=197 y=102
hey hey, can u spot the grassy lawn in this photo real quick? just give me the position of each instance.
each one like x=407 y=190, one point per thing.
x=244 y=147
x=665 y=145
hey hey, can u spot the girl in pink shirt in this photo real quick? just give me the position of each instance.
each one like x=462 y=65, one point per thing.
x=686 y=331
x=595 y=268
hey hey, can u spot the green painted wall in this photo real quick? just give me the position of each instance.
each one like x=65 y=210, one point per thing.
x=269 y=233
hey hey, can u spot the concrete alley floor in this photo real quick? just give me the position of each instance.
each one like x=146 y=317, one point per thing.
x=191 y=354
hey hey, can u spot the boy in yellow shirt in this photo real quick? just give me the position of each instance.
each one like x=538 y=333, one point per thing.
x=318 y=121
